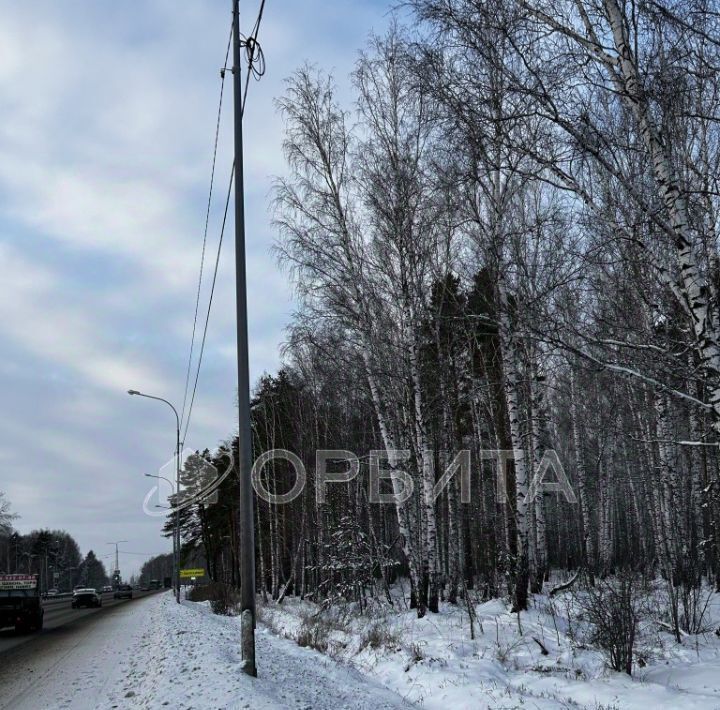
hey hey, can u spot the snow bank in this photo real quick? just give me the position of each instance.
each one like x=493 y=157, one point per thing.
x=188 y=657
x=434 y=662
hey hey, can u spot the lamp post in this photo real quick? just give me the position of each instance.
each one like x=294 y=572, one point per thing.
x=44 y=568
x=54 y=564
x=177 y=486
x=176 y=552
x=29 y=557
x=66 y=571
x=116 y=571
x=15 y=538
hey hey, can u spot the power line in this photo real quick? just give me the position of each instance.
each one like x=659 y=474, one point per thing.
x=207 y=222
x=254 y=52
x=210 y=300
x=126 y=552
x=256 y=68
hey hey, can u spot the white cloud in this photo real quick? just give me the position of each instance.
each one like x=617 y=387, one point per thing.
x=66 y=336
x=106 y=120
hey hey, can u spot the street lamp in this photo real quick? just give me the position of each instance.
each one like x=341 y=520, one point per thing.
x=177 y=486
x=66 y=571
x=117 y=559
x=165 y=507
x=47 y=578
x=167 y=480
x=30 y=556
x=15 y=539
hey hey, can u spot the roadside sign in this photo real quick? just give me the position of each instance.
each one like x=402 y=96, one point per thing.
x=18 y=581
x=190 y=573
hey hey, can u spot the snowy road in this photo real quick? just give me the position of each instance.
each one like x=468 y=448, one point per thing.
x=59 y=612
x=69 y=663
x=50 y=670
x=152 y=653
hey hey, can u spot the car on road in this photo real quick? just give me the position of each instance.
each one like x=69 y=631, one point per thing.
x=20 y=604
x=124 y=591
x=107 y=588
x=87 y=598
x=52 y=592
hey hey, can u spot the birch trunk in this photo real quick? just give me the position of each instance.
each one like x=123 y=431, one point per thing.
x=671 y=193
x=667 y=482
x=512 y=396
x=538 y=420
x=588 y=548
x=401 y=509
x=425 y=455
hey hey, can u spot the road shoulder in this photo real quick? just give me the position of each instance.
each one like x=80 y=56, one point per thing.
x=73 y=665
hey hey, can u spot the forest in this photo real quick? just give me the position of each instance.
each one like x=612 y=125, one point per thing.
x=53 y=555
x=501 y=230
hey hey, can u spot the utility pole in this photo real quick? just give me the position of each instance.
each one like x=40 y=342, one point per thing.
x=247 y=532
x=117 y=558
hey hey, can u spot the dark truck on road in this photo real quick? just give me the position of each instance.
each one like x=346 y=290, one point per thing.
x=20 y=604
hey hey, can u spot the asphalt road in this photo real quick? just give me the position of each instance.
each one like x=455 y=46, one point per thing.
x=67 y=664
x=58 y=614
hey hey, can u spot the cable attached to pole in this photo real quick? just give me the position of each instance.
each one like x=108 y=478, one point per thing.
x=207 y=223
x=247 y=522
x=256 y=68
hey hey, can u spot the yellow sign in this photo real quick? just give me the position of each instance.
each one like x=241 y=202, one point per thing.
x=187 y=573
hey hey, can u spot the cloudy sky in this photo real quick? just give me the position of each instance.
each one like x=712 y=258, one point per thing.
x=107 y=114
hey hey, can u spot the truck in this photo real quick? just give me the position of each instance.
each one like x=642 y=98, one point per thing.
x=20 y=603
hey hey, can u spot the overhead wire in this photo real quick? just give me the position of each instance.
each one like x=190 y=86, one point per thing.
x=127 y=552
x=254 y=52
x=207 y=223
x=209 y=307
x=256 y=68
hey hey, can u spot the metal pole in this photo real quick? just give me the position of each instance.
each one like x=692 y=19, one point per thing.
x=247 y=536
x=117 y=554
x=176 y=546
x=176 y=537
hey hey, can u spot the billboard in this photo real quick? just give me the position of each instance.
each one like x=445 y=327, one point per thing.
x=18 y=581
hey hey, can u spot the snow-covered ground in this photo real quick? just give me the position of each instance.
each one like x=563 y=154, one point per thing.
x=188 y=657
x=157 y=654
x=434 y=662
